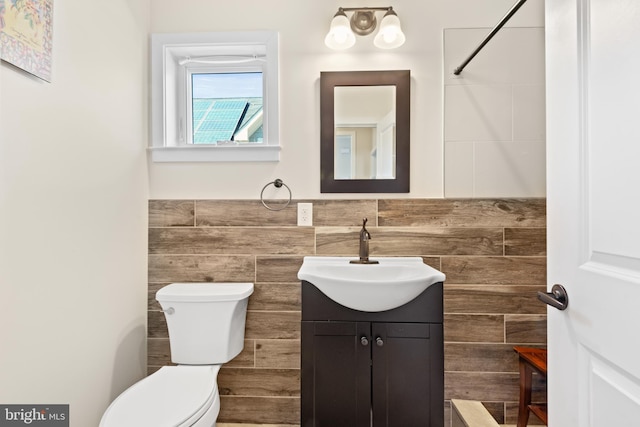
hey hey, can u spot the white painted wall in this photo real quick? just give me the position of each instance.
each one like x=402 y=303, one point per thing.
x=302 y=25
x=73 y=213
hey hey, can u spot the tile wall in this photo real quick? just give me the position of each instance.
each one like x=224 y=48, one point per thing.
x=491 y=250
x=494 y=114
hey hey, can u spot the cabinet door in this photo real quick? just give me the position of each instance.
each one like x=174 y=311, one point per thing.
x=336 y=374
x=408 y=375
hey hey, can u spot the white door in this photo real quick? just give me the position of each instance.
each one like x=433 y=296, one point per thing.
x=593 y=149
x=345 y=159
x=386 y=146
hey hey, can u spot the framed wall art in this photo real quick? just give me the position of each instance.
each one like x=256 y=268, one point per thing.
x=26 y=35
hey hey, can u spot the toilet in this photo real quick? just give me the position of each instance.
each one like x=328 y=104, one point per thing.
x=206 y=323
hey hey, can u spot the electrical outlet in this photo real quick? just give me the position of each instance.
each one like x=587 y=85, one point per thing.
x=305 y=214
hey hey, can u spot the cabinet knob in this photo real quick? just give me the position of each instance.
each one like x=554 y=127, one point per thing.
x=364 y=341
x=379 y=342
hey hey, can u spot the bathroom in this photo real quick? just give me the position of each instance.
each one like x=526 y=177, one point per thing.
x=83 y=209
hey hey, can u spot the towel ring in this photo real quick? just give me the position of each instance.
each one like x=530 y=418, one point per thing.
x=277 y=183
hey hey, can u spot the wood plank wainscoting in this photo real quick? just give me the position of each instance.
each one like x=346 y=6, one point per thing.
x=493 y=252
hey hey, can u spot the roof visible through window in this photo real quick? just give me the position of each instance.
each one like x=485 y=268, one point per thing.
x=227 y=108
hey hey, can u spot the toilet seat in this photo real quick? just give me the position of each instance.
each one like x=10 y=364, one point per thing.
x=175 y=396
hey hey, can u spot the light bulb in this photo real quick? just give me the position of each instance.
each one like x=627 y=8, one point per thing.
x=390 y=34
x=340 y=35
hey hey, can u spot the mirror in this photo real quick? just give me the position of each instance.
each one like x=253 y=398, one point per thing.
x=364 y=126
x=364 y=134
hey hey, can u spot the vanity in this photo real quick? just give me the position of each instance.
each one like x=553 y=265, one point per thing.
x=372 y=351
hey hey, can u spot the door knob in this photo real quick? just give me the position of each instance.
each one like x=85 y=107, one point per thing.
x=379 y=342
x=364 y=341
x=557 y=298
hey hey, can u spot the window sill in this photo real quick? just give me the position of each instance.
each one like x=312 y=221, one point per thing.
x=205 y=153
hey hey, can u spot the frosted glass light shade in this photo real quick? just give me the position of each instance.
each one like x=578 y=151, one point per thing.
x=340 y=35
x=390 y=34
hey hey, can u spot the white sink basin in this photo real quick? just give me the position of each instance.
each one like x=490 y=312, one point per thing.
x=370 y=287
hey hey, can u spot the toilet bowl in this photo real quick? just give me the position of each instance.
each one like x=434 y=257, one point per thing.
x=206 y=323
x=180 y=396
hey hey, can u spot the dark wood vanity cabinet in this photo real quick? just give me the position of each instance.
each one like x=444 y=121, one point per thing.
x=382 y=369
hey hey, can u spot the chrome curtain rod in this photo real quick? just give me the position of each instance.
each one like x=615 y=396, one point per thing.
x=489 y=36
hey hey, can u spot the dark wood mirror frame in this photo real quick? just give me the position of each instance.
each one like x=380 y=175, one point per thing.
x=401 y=79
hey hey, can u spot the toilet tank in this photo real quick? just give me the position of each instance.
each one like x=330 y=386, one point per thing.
x=206 y=321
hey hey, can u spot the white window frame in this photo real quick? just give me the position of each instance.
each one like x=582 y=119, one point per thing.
x=174 y=57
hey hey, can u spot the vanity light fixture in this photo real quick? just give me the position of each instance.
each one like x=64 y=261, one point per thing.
x=342 y=33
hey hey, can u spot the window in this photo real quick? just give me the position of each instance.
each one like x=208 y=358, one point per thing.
x=226 y=108
x=214 y=97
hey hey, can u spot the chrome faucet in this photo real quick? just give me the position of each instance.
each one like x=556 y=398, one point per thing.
x=365 y=236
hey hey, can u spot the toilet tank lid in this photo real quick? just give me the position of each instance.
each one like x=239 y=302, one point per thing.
x=204 y=292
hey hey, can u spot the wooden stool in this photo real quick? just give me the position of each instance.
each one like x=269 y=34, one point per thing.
x=531 y=359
